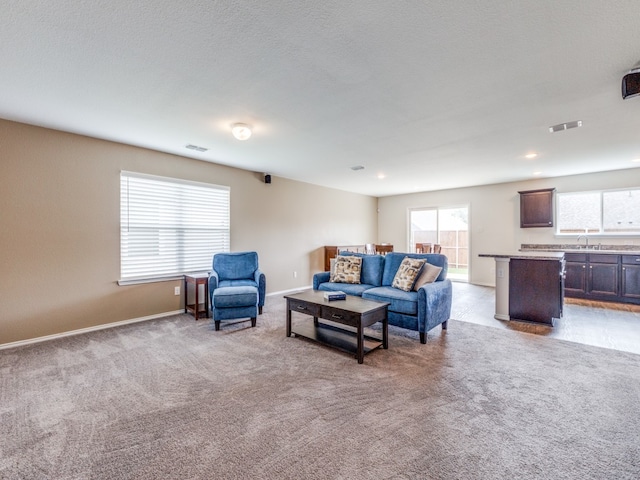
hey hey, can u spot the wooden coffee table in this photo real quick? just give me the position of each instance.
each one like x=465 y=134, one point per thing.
x=344 y=323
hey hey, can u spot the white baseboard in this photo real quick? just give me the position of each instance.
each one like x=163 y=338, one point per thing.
x=291 y=290
x=483 y=284
x=80 y=331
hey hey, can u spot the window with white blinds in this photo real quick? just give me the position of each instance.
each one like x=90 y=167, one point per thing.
x=169 y=227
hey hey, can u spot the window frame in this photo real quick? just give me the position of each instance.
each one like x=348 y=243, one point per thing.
x=165 y=229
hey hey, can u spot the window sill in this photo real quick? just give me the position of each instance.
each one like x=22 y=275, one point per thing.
x=138 y=281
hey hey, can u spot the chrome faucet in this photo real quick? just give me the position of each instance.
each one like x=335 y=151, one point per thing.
x=586 y=243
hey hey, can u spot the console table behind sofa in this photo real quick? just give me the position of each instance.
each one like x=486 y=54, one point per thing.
x=331 y=251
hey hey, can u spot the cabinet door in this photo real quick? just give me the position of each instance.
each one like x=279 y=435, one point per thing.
x=575 y=282
x=603 y=279
x=536 y=208
x=630 y=287
x=535 y=290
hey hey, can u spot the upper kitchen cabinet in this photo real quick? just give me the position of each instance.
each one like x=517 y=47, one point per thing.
x=536 y=208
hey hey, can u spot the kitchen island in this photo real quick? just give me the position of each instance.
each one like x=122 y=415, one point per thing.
x=529 y=286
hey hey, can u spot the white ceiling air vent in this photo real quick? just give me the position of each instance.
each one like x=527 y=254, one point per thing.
x=357 y=167
x=196 y=148
x=565 y=126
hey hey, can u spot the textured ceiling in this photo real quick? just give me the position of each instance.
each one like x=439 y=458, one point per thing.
x=431 y=94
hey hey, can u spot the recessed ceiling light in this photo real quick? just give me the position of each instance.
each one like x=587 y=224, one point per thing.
x=241 y=131
x=381 y=176
x=531 y=155
x=637 y=160
x=537 y=173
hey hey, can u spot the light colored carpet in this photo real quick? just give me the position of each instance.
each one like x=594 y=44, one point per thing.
x=173 y=399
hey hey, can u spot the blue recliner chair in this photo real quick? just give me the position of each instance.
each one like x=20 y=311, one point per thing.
x=236 y=287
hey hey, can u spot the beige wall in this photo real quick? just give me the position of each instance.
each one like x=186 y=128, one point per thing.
x=494 y=215
x=59 y=229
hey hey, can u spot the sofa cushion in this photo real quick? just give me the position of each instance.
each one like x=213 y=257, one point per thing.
x=348 y=288
x=372 y=267
x=393 y=260
x=347 y=269
x=235 y=265
x=230 y=297
x=399 y=300
x=428 y=274
x=407 y=273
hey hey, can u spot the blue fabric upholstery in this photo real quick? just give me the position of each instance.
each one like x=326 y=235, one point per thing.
x=235 y=302
x=400 y=301
x=237 y=269
x=393 y=260
x=419 y=311
x=237 y=287
x=372 y=266
x=229 y=297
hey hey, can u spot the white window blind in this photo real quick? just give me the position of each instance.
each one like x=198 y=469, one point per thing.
x=600 y=212
x=170 y=227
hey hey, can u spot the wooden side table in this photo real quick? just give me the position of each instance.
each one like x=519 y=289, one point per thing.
x=198 y=307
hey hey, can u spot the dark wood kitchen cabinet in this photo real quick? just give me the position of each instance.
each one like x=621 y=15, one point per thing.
x=630 y=285
x=602 y=275
x=592 y=275
x=536 y=208
x=536 y=290
x=575 y=283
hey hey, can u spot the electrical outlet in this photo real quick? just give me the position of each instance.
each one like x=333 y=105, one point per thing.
x=500 y=273
x=176 y=291
x=295 y=274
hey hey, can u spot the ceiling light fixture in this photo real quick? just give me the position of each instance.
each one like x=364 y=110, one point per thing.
x=531 y=155
x=241 y=131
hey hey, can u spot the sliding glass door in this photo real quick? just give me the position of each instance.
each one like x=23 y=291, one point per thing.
x=447 y=227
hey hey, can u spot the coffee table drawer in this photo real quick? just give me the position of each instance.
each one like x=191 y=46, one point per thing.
x=304 y=307
x=341 y=316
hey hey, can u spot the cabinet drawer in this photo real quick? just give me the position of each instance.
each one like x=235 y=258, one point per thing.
x=631 y=259
x=603 y=258
x=575 y=257
x=304 y=307
x=340 y=316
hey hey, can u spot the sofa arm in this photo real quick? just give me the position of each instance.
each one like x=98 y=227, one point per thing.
x=319 y=278
x=434 y=304
x=213 y=284
x=261 y=281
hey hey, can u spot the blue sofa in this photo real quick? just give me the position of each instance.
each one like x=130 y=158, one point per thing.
x=420 y=311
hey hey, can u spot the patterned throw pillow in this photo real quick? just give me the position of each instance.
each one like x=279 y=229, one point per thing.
x=407 y=273
x=428 y=275
x=347 y=269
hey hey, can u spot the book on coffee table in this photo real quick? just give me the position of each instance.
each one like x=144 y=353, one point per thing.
x=338 y=295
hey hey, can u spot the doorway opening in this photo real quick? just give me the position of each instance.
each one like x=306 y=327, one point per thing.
x=447 y=227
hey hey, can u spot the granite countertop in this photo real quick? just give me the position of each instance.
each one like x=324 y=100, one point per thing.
x=533 y=255
x=572 y=248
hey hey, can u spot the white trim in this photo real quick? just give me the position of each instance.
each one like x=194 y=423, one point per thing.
x=137 y=281
x=291 y=290
x=80 y=331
